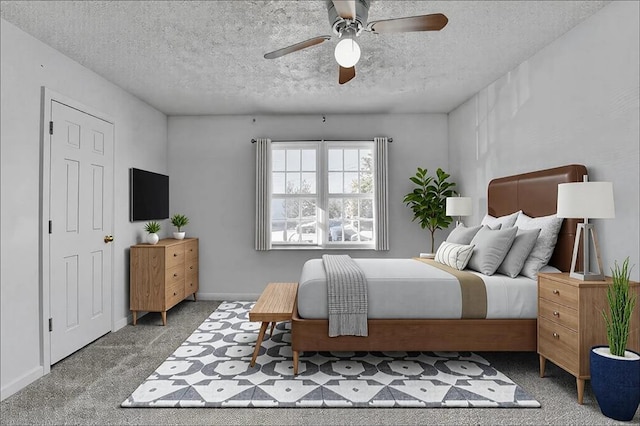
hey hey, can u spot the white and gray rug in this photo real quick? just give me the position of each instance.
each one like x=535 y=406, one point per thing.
x=211 y=369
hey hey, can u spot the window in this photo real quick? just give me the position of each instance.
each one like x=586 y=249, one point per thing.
x=321 y=194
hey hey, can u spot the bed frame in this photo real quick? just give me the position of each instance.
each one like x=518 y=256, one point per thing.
x=535 y=194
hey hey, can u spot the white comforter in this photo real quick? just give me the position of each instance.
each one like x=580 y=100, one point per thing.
x=407 y=288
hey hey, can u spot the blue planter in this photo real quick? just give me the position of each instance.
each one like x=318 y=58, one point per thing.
x=616 y=385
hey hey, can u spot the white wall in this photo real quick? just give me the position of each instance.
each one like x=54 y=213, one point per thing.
x=575 y=101
x=212 y=169
x=140 y=141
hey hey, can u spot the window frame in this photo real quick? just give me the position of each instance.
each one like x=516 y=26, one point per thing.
x=322 y=195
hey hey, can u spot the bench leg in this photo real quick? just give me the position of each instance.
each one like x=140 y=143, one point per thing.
x=273 y=324
x=263 y=328
x=295 y=363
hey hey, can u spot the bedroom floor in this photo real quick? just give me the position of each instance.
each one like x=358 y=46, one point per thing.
x=88 y=387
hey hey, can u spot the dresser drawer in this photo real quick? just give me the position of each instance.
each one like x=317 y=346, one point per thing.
x=558 y=344
x=174 y=294
x=560 y=314
x=191 y=284
x=191 y=249
x=174 y=255
x=191 y=266
x=174 y=275
x=557 y=292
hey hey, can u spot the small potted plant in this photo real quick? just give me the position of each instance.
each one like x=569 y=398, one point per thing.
x=428 y=200
x=179 y=220
x=615 y=370
x=152 y=229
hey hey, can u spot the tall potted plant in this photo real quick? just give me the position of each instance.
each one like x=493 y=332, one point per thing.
x=615 y=370
x=428 y=200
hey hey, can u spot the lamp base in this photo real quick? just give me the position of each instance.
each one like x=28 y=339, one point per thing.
x=587 y=230
x=587 y=276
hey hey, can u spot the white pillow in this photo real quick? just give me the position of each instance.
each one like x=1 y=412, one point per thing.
x=454 y=255
x=463 y=235
x=519 y=252
x=546 y=242
x=491 y=246
x=506 y=221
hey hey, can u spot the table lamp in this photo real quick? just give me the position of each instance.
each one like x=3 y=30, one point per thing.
x=458 y=206
x=588 y=200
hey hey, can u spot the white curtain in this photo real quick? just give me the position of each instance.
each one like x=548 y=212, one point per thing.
x=382 y=195
x=263 y=159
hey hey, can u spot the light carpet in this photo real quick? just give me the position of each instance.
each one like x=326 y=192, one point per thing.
x=211 y=369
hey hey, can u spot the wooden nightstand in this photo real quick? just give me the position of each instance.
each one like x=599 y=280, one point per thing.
x=570 y=323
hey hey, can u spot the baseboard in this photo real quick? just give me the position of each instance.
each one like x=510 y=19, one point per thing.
x=121 y=323
x=230 y=297
x=21 y=383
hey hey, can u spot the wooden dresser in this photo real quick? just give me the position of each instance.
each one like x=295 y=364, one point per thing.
x=162 y=275
x=570 y=323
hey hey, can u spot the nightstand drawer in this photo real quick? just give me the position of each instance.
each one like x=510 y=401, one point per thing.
x=557 y=292
x=559 y=314
x=559 y=344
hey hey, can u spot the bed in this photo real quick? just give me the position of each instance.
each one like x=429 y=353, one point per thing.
x=534 y=193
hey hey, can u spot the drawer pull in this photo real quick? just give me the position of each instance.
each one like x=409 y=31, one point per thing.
x=190 y=267
x=174 y=293
x=556 y=292
x=556 y=336
x=175 y=254
x=556 y=313
x=175 y=275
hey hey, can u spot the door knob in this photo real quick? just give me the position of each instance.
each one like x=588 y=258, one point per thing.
x=108 y=238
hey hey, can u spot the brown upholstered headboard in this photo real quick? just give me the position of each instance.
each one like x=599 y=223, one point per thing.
x=536 y=195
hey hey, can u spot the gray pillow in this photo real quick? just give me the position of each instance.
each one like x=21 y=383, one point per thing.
x=506 y=221
x=546 y=242
x=519 y=251
x=463 y=235
x=490 y=248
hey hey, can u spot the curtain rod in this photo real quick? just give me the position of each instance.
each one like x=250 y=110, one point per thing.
x=323 y=140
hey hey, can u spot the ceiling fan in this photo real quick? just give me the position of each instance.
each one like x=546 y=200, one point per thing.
x=348 y=18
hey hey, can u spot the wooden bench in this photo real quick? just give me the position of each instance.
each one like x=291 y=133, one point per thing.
x=276 y=303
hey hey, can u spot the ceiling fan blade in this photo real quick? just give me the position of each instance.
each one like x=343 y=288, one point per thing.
x=434 y=22
x=295 y=47
x=345 y=8
x=346 y=74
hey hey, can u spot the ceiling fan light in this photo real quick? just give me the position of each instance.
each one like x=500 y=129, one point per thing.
x=347 y=53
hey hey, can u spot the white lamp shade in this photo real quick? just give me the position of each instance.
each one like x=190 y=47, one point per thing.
x=459 y=206
x=347 y=53
x=591 y=200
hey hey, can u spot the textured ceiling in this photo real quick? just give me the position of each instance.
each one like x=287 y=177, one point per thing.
x=192 y=57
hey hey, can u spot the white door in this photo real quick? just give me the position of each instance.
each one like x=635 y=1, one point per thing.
x=81 y=219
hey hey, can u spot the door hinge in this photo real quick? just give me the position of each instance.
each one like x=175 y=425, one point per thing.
x=51 y=127
x=50 y=324
x=50 y=226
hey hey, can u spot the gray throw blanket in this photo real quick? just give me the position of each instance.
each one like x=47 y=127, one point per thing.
x=347 y=296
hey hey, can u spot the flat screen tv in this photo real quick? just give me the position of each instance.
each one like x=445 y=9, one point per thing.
x=148 y=195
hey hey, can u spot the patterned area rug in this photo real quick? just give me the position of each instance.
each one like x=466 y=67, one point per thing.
x=211 y=369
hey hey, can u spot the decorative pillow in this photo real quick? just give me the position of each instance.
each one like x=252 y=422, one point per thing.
x=454 y=255
x=463 y=235
x=546 y=242
x=506 y=221
x=491 y=246
x=519 y=251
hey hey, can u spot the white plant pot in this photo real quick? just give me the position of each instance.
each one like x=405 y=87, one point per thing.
x=178 y=235
x=153 y=238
